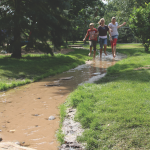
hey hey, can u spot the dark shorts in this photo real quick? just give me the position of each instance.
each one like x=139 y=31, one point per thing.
x=93 y=44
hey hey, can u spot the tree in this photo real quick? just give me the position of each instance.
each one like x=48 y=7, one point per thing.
x=123 y=8
x=45 y=20
x=91 y=11
x=42 y=20
x=140 y=24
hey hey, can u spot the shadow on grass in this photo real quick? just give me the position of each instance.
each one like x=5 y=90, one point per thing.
x=35 y=66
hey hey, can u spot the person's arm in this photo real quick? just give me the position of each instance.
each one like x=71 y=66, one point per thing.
x=121 y=25
x=86 y=36
x=109 y=31
x=110 y=27
x=97 y=33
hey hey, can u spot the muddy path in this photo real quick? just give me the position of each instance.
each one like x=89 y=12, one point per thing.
x=24 y=111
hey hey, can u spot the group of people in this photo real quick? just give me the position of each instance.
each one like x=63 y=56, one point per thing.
x=101 y=32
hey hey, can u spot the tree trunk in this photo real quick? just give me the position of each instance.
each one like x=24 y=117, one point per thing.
x=31 y=35
x=17 y=40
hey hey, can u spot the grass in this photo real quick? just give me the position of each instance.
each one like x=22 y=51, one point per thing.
x=115 y=111
x=33 y=67
x=60 y=135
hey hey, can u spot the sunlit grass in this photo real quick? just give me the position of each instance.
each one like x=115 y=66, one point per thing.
x=115 y=111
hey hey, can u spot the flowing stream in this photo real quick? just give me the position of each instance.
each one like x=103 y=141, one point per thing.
x=24 y=111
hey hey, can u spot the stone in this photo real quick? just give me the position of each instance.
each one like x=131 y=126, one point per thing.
x=66 y=78
x=13 y=146
x=35 y=115
x=12 y=131
x=51 y=118
x=1 y=139
x=53 y=84
x=18 y=143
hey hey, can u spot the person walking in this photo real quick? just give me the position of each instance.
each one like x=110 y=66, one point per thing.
x=92 y=38
x=114 y=34
x=102 y=31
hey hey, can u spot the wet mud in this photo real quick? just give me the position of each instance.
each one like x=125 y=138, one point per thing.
x=25 y=110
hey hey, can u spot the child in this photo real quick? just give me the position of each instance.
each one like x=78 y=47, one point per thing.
x=92 y=38
x=114 y=34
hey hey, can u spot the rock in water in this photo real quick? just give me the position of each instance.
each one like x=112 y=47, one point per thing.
x=51 y=118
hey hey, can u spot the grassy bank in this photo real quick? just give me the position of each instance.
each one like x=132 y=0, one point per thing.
x=115 y=111
x=15 y=72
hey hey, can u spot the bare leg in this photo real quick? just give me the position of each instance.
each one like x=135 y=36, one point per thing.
x=114 y=48
x=105 y=46
x=90 y=51
x=101 y=52
x=94 y=54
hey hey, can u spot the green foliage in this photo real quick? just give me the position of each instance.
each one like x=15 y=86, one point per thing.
x=41 y=19
x=139 y=22
x=91 y=11
x=122 y=10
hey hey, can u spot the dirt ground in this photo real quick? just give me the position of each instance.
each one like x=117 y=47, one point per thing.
x=24 y=113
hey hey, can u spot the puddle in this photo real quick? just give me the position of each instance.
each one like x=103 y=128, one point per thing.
x=31 y=104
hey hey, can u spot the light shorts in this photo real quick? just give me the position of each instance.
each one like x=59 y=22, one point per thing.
x=102 y=42
x=115 y=37
x=93 y=44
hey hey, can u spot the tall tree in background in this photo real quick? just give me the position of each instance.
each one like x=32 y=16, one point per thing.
x=17 y=29
x=140 y=24
x=121 y=10
x=42 y=20
x=45 y=20
x=91 y=11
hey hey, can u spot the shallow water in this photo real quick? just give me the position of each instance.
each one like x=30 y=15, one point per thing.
x=24 y=111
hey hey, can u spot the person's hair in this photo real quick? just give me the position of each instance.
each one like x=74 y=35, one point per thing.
x=101 y=20
x=113 y=18
x=91 y=24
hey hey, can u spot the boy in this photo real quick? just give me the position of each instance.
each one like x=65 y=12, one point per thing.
x=92 y=38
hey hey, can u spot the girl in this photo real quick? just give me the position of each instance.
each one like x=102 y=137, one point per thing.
x=102 y=29
x=114 y=34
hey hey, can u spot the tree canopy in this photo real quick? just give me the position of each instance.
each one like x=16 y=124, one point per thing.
x=42 y=20
x=39 y=21
x=140 y=23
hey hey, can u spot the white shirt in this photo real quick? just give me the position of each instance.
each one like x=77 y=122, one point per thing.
x=103 y=37
x=114 y=29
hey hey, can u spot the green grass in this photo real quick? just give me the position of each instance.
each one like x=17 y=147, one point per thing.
x=33 y=67
x=60 y=135
x=115 y=111
x=128 y=49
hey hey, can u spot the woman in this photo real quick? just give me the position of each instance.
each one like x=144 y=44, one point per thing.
x=114 y=34
x=102 y=31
